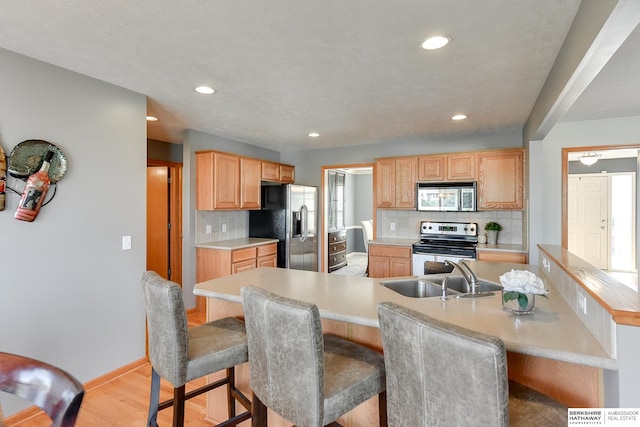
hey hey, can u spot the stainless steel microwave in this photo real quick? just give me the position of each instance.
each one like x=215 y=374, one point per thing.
x=446 y=196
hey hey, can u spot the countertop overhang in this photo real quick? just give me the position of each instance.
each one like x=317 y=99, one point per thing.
x=554 y=331
x=233 y=244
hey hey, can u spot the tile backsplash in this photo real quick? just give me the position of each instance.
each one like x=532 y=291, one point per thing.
x=407 y=223
x=236 y=224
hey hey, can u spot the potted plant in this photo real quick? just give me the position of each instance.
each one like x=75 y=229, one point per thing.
x=492 y=232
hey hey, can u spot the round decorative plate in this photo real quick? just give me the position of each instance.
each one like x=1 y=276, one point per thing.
x=26 y=159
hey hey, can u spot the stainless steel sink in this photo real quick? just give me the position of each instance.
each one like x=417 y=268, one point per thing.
x=432 y=287
x=458 y=283
x=416 y=288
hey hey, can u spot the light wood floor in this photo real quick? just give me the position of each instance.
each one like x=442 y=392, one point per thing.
x=125 y=401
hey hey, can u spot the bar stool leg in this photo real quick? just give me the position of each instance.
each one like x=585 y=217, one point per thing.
x=178 y=406
x=258 y=412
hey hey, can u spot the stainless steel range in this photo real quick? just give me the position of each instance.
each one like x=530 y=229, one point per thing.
x=440 y=241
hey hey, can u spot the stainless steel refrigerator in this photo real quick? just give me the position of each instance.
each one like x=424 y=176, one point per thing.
x=289 y=214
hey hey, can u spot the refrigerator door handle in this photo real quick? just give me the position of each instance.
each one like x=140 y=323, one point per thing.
x=305 y=223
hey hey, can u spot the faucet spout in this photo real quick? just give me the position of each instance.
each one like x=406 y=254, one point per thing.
x=467 y=273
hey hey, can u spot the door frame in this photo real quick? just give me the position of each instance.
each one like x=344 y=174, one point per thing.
x=175 y=216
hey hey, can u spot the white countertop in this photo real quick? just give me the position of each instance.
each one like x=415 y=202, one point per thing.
x=501 y=247
x=229 y=245
x=393 y=242
x=554 y=331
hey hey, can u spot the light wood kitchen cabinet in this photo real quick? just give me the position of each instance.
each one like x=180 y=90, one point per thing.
x=501 y=179
x=396 y=183
x=389 y=261
x=277 y=172
x=432 y=168
x=499 y=256
x=406 y=182
x=217 y=181
x=461 y=167
x=214 y=263
x=250 y=174
x=386 y=183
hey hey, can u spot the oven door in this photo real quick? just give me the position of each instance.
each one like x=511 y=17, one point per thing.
x=418 y=262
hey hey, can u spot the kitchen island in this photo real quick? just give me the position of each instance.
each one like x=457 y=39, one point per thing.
x=551 y=350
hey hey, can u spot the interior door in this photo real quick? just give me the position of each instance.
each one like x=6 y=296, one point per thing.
x=588 y=219
x=158 y=220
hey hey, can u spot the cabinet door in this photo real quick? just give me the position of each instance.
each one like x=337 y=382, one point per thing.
x=287 y=174
x=238 y=267
x=406 y=183
x=378 y=266
x=399 y=267
x=250 y=173
x=267 y=261
x=431 y=168
x=461 y=167
x=270 y=171
x=227 y=181
x=501 y=180
x=385 y=183
x=204 y=181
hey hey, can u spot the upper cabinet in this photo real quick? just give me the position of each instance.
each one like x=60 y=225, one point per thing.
x=432 y=168
x=277 y=172
x=396 y=182
x=501 y=179
x=228 y=181
x=461 y=167
x=499 y=174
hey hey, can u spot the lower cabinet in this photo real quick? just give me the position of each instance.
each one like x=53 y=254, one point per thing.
x=214 y=263
x=389 y=261
x=337 y=250
x=499 y=256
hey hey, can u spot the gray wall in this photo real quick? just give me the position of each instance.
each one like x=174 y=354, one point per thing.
x=69 y=295
x=309 y=162
x=166 y=151
x=545 y=175
x=627 y=164
x=358 y=207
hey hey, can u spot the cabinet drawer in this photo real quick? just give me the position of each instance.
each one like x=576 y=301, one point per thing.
x=243 y=254
x=337 y=247
x=390 y=251
x=337 y=260
x=337 y=236
x=245 y=265
x=270 y=249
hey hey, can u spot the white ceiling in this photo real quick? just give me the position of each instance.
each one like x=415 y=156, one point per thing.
x=351 y=70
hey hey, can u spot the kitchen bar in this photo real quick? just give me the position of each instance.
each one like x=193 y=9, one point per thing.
x=552 y=340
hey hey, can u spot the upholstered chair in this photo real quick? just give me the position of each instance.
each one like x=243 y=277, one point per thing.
x=442 y=374
x=180 y=354
x=54 y=390
x=306 y=377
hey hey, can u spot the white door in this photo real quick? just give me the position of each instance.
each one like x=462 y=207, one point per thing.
x=588 y=219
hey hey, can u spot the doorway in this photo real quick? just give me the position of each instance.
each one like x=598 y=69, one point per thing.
x=599 y=208
x=164 y=219
x=347 y=199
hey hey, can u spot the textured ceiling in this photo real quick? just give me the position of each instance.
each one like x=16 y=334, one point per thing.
x=351 y=70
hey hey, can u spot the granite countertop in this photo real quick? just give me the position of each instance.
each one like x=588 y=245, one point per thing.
x=229 y=245
x=553 y=331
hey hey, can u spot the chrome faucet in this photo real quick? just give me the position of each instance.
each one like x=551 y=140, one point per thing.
x=468 y=275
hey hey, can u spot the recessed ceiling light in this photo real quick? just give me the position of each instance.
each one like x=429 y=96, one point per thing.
x=152 y=119
x=205 y=90
x=435 y=42
x=459 y=117
x=314 y=134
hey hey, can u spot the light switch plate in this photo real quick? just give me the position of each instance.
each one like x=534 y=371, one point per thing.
x=126 y=243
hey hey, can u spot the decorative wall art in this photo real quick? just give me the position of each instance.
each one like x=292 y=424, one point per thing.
x=33 y=166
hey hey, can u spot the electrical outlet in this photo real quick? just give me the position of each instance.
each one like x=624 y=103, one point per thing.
x=208 y=229
x=582 y=304
x=392 y=226
x=224 y=228
x=126 y=243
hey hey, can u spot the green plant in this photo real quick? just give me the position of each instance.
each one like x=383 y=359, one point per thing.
x=493 y=226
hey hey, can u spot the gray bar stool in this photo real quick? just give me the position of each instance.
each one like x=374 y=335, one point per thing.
x=442 y=374
x=308 y=378
x=181 y=354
